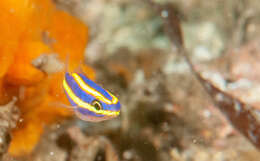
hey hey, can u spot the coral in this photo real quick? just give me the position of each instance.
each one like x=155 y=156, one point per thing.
x=8 y=118
x=30 y=29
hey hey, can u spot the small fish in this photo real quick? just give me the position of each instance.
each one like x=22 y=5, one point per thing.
x=90 y=101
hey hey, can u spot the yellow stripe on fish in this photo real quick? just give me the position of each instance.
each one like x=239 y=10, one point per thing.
x=92 y=91
x=87 y=105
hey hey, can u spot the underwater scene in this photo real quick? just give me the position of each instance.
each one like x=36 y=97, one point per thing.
x=129 y=80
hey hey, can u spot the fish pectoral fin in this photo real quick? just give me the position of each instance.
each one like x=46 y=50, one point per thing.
x=59 y=104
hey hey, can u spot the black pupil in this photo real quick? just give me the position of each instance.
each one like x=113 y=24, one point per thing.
x=96 y=105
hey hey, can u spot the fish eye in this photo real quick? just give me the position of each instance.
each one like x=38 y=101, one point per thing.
x=97 y=105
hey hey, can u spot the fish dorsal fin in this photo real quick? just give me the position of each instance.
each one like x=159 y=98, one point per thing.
x=79 y=69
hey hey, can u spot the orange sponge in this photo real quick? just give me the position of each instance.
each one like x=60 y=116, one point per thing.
x=25 y=26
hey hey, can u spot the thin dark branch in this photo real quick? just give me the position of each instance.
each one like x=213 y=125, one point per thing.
x=238 y=113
